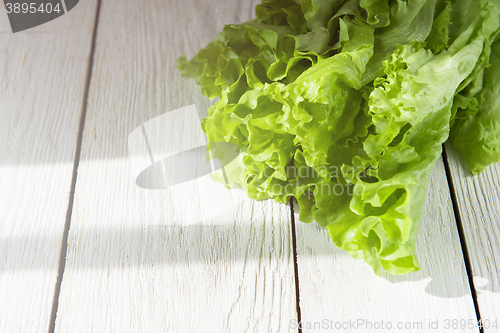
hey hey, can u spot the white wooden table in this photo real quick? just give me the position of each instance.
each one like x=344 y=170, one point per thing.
x=84 y=249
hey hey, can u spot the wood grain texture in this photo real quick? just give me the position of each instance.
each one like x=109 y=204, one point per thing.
x=133 y=265
x=42 y=77
x=336 y=287
x=478 y=199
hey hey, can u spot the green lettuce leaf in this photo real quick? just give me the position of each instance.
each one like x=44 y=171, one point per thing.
x=476 y=132
x=345 y=105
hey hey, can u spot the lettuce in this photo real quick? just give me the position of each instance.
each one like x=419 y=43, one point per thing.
x=345 y=105
x=475 y=133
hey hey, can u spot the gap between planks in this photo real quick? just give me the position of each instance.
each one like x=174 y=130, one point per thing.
x=67 y=224
x=295 y=264
x=461 y=235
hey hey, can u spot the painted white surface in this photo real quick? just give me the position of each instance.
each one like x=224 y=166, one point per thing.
x=336 y=287
x=478 y=199
x=170 y=152
x=132 y=264
x=42 y=80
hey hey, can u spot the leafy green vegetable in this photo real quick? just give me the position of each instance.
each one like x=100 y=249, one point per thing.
x=345 y=105
x=477 y=126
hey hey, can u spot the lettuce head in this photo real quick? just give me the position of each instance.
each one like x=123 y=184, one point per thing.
x=345 y=106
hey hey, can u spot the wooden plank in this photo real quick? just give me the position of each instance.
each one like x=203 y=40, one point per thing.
x=336 y=287
x=43 y=76
x=478 y=199
x=133 y=263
